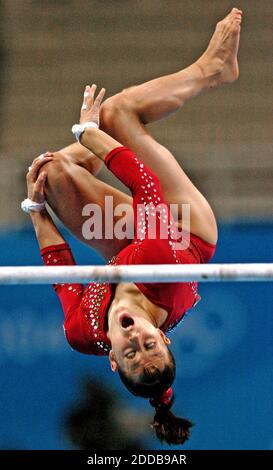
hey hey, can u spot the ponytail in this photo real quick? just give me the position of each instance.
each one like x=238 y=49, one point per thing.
x=167 y=426
x=157 y=384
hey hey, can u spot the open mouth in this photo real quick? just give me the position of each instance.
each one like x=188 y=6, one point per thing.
x=126 y=321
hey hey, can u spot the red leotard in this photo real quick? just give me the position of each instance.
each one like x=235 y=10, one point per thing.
x=85 y=309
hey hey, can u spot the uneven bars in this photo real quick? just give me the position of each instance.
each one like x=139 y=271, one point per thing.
x=136 y=273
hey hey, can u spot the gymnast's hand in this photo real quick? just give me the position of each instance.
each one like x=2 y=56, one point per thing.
x=90 y=110
x=36 y=180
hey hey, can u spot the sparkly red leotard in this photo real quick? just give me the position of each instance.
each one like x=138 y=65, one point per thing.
x=85 y=309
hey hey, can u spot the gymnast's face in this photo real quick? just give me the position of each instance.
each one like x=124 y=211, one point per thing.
x=137 y=344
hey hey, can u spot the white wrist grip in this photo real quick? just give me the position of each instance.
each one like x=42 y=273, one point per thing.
x=29 y=205
x=78 y=129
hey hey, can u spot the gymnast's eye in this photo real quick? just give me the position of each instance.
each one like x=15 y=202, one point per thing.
x=150 y=345
x=130 y=354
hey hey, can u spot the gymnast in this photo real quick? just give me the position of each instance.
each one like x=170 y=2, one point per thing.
x=130 y=321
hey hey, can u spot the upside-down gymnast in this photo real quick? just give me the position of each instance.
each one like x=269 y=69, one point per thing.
x=129 y=321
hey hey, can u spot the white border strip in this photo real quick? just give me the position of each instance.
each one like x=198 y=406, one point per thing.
x=136 y=273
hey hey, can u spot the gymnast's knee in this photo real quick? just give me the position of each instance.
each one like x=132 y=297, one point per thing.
x=115 y=109
x=58 y=170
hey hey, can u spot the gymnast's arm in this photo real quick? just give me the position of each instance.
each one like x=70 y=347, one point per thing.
x=46 y=232
x=56 y=252
x=94 y=139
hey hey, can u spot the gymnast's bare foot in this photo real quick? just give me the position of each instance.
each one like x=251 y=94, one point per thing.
x=219 y=62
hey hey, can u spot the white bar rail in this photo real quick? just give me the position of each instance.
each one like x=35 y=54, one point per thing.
x=136 y=273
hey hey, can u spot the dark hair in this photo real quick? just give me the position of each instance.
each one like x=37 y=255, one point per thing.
x=152 y=383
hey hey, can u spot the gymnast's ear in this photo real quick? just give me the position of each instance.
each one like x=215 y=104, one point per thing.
x=164 y=337
x=113 y=362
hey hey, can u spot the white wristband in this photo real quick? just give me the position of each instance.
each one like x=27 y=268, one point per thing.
x=78 y=129
x=29 y=205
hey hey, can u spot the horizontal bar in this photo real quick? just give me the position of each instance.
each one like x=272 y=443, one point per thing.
x=136 y=273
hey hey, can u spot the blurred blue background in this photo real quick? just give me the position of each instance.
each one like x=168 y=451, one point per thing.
x=223 y=348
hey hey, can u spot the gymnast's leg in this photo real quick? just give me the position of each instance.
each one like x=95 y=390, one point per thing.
x=124 y=117
x=71 y=176
x=71 y=185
